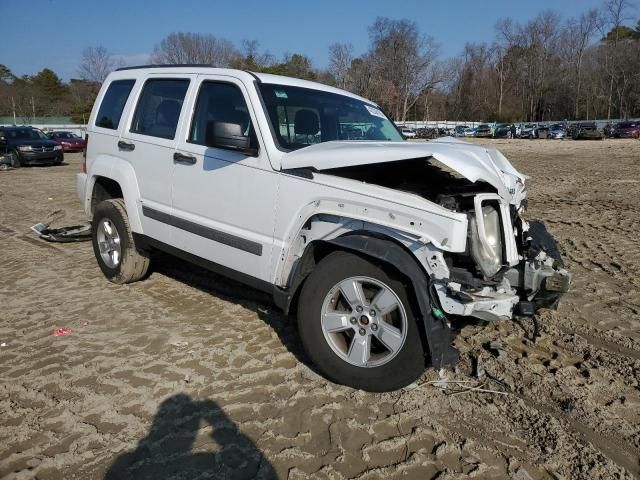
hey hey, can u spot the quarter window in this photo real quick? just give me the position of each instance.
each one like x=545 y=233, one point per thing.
x=218 y=102
x=159 y=106
x=113 y=104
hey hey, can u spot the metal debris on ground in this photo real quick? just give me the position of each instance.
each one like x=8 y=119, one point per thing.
x=456 y=387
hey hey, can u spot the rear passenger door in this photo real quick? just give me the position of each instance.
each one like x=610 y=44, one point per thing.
x=149 y=143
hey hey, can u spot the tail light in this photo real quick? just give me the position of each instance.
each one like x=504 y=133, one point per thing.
x=84 y=153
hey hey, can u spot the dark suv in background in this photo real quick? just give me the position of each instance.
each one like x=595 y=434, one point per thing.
x=29 y=146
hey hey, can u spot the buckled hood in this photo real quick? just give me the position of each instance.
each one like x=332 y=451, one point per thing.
x=474 y=162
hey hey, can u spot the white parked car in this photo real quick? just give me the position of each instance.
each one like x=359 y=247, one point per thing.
x=372 y=242
x=408 y=132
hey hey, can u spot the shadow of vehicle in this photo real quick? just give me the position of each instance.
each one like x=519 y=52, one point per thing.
x=167 y=450
x=235 y=292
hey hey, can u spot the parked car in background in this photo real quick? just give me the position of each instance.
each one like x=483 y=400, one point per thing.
x=29 y=146
x=609 y=130
x=470 y=132
x=459 y=130
x=587 y=131
x=503 y=130
x=69 y=141
x=427 y=132
x=408 y=132
x=529 y=130
x=627 y=130
x=483 y=131
x=557 y=131
x=542 y=131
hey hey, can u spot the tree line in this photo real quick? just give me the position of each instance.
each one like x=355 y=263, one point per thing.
x=547 y=68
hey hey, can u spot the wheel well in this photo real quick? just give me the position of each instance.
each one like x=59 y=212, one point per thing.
x=104 y=189
x=317 y=250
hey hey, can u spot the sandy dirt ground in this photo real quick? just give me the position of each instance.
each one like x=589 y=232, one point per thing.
x=188 y=375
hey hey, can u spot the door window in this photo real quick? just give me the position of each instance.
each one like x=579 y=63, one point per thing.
x=218 y=102
x=159 y=107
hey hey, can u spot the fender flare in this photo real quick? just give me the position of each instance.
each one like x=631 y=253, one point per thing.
x=124 y=174
x=438 y=334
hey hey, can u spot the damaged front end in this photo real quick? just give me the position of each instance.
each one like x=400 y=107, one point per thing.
x=510 y=266
x=504 y=267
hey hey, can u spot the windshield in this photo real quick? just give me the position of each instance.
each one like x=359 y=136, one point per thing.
x=25 y=134
x=301 y=117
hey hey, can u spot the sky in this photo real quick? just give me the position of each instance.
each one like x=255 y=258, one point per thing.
x=53 y=33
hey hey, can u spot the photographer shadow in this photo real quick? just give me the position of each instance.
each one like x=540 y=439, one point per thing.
x=167 y=452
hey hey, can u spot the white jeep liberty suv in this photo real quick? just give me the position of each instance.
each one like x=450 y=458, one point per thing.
x=310 y=193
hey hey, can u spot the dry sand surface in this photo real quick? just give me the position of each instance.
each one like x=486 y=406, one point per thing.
x=111 y=398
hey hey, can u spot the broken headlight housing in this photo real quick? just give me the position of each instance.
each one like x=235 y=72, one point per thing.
x=486 y=240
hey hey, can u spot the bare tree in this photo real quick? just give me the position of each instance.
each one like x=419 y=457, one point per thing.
x=96 y=63
x=578 y=35
x=404 y=57
x=614 y=14
x=182 y=48
x=340 y=58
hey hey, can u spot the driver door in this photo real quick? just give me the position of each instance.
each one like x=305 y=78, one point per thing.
x=224 y=200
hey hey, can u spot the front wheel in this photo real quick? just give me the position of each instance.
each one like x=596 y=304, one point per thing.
x=15 y=159
x=357 y=325
x=113 y=245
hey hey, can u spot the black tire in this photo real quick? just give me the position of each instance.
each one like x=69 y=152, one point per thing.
x=400 y=371
x=16 y=162
x=134 y=264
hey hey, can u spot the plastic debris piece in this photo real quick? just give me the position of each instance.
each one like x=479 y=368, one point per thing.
x=74 y=233
x=480 y=372
x=60 y=332
x=443 y=382
x=85 y=323
x=187 y=377
x=3 y=344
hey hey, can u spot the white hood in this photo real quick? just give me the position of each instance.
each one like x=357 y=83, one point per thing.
x=474 y=162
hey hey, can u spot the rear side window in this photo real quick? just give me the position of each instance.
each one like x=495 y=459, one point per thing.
x=159 y=106
x=113 y=104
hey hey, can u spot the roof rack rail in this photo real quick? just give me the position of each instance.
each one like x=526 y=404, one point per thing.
x=167 y=65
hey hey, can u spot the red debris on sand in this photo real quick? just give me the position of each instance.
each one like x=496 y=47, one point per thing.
x=59 y=332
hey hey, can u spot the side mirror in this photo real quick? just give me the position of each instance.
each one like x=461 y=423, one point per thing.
x=229 y=136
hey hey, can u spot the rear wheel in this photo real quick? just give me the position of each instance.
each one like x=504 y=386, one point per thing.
x=357 y=325
x=113 y=245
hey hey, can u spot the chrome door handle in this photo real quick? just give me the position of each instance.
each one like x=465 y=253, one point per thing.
x=182 y=158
